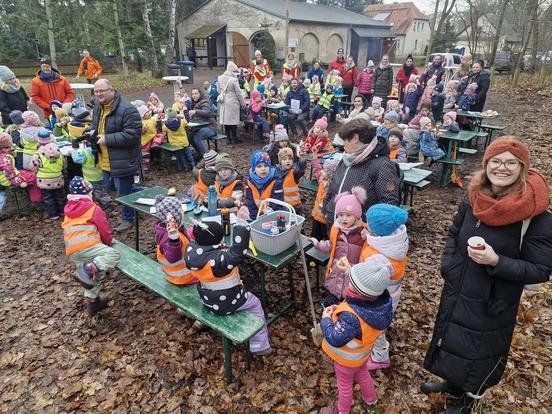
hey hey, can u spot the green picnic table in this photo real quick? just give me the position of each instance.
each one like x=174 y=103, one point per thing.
x=454 y=140
x=476 y=118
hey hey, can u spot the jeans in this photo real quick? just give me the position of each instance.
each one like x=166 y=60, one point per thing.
x=3 y=199
x=54 y=201
x=265 y=127
x=201 y=135
x=318 y=112
x=301 y=119
x=185 y=158
x=123 y=185
x=344 y=377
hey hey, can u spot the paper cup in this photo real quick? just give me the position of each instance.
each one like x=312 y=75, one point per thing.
x=477 y=243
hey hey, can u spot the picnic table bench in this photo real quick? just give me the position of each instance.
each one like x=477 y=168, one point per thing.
x=167 y=152
x=236 y=328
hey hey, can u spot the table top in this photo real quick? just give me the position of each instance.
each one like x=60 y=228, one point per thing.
x=175 y=78
x=278 y=105
x=340 y=96
x=82 y=85
x=197 y=123
x=415 y=175
x=462 y=136
x=478 y=115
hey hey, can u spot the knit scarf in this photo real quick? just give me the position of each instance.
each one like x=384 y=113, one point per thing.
x=224 y=182
x=407 y=70
x=361 y=154
x=48 y=77
x=261 y=182
x=514 y=207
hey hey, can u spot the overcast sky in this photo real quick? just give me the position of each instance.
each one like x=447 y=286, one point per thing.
x=426 y=6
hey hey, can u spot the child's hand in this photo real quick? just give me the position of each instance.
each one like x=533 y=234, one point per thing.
x=243 y=213
x=328 y=312
x=343 y=264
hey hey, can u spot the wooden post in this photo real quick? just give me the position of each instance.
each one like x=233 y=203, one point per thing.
x=286 y=46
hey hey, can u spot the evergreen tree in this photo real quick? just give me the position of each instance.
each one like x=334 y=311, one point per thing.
x=445 y=40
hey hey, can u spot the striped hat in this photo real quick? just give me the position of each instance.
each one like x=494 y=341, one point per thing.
x=210 y=158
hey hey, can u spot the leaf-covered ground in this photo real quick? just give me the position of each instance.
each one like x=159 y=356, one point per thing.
x=137 y=356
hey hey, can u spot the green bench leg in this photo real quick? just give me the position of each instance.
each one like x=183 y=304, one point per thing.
x=227 y=348
x=445 y=175
x=136 y=230
x=287 y=306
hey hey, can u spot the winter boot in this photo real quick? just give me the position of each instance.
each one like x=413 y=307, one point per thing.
x=445 y=387
x=86 y=274
x=464 y=406
x=96 y=305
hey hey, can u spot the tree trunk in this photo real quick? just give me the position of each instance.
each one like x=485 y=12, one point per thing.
x=120 y=38
x=432 y=34
x=172 y=31
x=526 y=36
x=496 y=39
x=535 y=45
x=51 y=38
x=152 y=54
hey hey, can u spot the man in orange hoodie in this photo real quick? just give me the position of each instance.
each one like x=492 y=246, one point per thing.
x=49 y=85
x=89 y=67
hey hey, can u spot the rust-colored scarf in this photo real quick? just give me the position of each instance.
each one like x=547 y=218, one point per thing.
x=514 y=207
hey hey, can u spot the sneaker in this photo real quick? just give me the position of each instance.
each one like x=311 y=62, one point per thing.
x=53 y=218
x=95 y=306
x=125 y=225
x=373 y=365
x=85 y=275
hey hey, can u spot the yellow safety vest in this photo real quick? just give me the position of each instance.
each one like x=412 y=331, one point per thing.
x=49 y=169
x=90 y=170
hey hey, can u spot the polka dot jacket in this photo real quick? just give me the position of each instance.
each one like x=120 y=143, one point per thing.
x=222 y=261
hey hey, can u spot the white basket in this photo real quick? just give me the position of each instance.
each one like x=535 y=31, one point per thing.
x=275 y=244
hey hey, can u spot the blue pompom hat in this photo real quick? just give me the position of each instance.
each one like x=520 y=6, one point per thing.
x=384 y=219
x=79 y=186
x=260 y=157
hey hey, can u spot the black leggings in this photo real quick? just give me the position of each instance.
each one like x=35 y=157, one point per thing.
x=231 y=132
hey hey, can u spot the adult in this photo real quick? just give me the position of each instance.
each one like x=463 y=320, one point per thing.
x=12 y=96
x=462 y=71
x=316 y=70
x=232 y=101
x=483 y=79
x=338 y=63
x=291 y=68
x=434 y=69
x=382 y=81
x=119 y=128
x=298 y=102
x=89 y=67
x=350 y=75
x=360 y=104
x=506 y=206
x=201 y=110
x=260 y=69
x=403 y=75
x=49 y=85
x=366 y=163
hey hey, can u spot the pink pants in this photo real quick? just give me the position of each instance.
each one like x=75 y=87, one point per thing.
x=34 y=192
x=345 y=376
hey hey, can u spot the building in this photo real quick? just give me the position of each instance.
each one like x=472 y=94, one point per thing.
x=223 y=30
x=410 y=26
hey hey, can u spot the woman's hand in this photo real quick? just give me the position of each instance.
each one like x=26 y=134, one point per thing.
x=487 y=256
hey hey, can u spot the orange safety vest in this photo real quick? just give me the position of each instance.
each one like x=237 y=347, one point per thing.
x=357 y=351
x=317 y=212
x=291 y=189
x=393 y=154
x=398 y=265
x=334 y=232
x=226 y=191
x=200 y=188
x=209 y=281
x=258 y=198
x=176 y=272
x=79 y=234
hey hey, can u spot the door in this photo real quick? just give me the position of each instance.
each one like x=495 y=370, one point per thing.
x=212 y=50
x=240 y=49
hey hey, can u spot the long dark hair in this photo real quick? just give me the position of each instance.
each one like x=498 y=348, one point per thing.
x=364 y=102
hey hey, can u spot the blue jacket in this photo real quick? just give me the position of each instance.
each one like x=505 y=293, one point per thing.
x=377 y=314
x=277 y=193
x=429 y=147
x=437 y=104
x=466 y=101
x=302 y=95
x=318 y=72
x=299 y=168
x=411 y=100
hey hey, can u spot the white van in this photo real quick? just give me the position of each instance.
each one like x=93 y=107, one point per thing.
x=450 y=60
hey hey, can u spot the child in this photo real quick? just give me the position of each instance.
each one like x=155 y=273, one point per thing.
x=175 y=129
x=438 y=102
x=428 y=91
x=228 y=183
x=411 y=98
x=61 y=127
x=262 y=184
x=425 y=111
x=345 y=241
x=324 y=103
x=87 y=242
x=324 y=176
x=338 y=87
x=375 y=112
x=449 y=122
x=216 y=267
x=204 y=175
x=87 y=157
x=468 y=97
x=178 y=103
x=397 y=152
x=314 y=88
x=284 y=88
x=280 y=140
x=171 y=240
x=29 y=136
x=290 y=172
x=364 y=81
x=48 y=164
x=390 y=120
x=394 y=105
x=451 y=95
x=351 y=328
x=256 y=106
x=149 y=131
x=81 y=120
x=15 y=131
x=317 y=139
x=154 y=104
x=428 y=141
x=386 y=236
x=52 y=119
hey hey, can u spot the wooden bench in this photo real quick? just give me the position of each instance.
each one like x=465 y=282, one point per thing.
x=446 y=169
x=489 y=129
x=236 y=328
x=469 y=151
x=449 y=161
x=215 y=139
x=167 y=152
x=17 y=193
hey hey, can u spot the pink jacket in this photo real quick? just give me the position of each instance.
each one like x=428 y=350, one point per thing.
x=364 y=82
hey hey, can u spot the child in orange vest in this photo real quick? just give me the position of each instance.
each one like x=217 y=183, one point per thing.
x=351 y=328
x=87 y=242
x=290 y=173
x=262 y=183
x=228 y=183
x=345 y=241
x=397 y=151
x=204 y=174
x=323 y=174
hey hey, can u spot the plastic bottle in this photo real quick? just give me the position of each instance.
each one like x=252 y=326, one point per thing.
x=212 y=201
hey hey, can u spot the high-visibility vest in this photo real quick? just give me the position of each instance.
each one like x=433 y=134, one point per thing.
x=334 y=232
x=49 y=169
x=357 y=351
x=76 y=131
x=3 y=179
x=317 y=208
x=393 y=154
x=209 y=281
x=226 y=191
x=257 y=197
x=200 y=188
x=325 y=100
x=29 y=147
x=90 y=170
x=176 y=272
x=291 y=189
x=78 y=233
x=398 y=265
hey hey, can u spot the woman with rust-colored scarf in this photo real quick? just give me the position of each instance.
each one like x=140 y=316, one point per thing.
x=499 y=241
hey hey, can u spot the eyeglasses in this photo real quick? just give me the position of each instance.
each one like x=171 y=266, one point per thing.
x=511 y=165
x=100 y=91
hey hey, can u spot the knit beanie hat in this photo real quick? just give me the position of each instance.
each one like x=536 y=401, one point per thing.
x=61 y=113
x=137 y=103
x=80 y=113
x=384 y=219
x=44 y=136
x=260 y=157
x=330 y=166
x=6 y=74
x=280 y=134
x=169 y=204
x=46 y=61
x=472 y=86
x=31 y=118
x=322 y=123
x=452 y=115
x=511 y=144
x=16 y=117
x=424 y=120
x=371 y=278
x=438 y=87
x=171 y=113
x=285 y=152
x=56 y=102
x=223 y=161
x=370 y=63
x=392 y=116
x=5 y=140
x=351 y=202
x=260 y=89
x=307 y=82
x=80 y=186
x=210 y=158
x=377 y=100
x=396 y=132
x=208 y=233
x=411 y=87
x=142 y=110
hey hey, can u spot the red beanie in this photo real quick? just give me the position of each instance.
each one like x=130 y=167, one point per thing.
x=511 y=144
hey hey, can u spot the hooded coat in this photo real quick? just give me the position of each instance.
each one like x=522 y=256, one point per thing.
x=11 y=102
x=483 y=80
x=229 y=109
x=45 y=91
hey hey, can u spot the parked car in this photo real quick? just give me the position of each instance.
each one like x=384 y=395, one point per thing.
x=450 y=60
x=503 y=61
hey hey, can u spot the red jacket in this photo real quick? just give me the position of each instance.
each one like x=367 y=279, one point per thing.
x=350 y=77
x=339 y=65
x=78 y=205
x=403 y=79
x=364 y=82
x=44 y=92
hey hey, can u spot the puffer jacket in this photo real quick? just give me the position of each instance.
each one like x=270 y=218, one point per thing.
x=364 y=81
x=44 y=92
x=300 y=94
x=204 y=111
x=11 y=102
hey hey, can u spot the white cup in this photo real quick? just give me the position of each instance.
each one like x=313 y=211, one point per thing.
x=477 y=243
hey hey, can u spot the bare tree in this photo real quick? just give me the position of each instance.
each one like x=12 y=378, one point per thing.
x=503 y=5
x=152 y=54
x=439 y=18
x=529 y=17
x=119 y=38
x=172 y=31
x=51 y=38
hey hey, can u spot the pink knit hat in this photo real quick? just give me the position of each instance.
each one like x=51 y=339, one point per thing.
x=351 y=202
x=31 y=118
x=5 y=140
x=322 y=123
x=452 y=115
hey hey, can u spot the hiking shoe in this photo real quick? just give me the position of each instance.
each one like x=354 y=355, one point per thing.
x=429 y=388
x=125 y=225
x=85 y=275
x=96 y=305
x=373 y=365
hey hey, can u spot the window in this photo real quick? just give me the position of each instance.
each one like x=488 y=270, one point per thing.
x=381 y=16
x=416 y=44
x=199 y=42
x=456 y=59
x=398 y=45
x=414 y=27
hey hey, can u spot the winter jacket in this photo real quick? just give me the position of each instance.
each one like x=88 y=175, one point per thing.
x=220 y=301
x=364 y=82
x=438 y=71
x=411 y=141
x=43 y=92
x=377 y=174
x=411 y=100
x=276 y=193
x=9 y=174
x=203 y=111
x=437 y=104
x=398 y=154
x=171 y=249
x=229 y=109
x=291 y=70
x=403 y=79
x=300 y=94
x=123 y=130
x=273 y=148
x=467 y=102
x=90 y=68
x=382 y=82
x=318 y=72
x=339 y=65
x=450 y=102
x=11 y=102
x=349 y=77
x=452 y=127
x=429 y=147
x=483 y=80
x=77 y=205
x=479 y=303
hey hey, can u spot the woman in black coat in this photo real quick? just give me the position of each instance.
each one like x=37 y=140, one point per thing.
x=506 y=206
x=12 y=95
x=382 y=81
x=201 y=110
x=483 y=79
